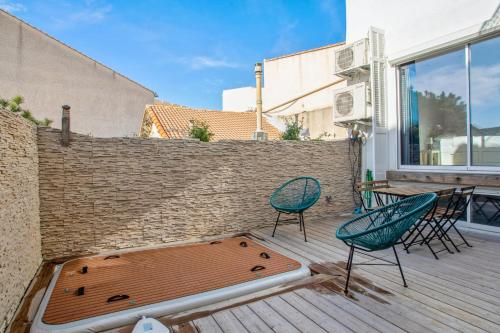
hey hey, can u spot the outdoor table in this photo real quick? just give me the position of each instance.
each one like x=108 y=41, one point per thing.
x=403 y=192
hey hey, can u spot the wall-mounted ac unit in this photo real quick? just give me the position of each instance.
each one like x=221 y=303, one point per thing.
x=351 y=58
x=350 y=103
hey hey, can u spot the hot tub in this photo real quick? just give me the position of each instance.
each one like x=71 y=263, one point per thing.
x=105 y=291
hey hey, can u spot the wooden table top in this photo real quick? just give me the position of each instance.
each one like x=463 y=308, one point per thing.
x=408 y=191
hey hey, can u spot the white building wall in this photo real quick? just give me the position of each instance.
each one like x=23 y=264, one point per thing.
x=240 y=99
x=410 y=23
x=49 y=74
x=290 y=76
x=154 y=132
x=410 y=26
x=293 y=75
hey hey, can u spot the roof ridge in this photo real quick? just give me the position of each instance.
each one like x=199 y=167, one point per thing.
x=165 y=103
x=174 y=120
x=305 y=51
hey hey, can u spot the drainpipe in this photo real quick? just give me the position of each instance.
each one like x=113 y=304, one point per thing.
x=259 y=133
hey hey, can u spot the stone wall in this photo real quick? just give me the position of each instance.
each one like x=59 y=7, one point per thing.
x=101 y=193
x=20 y=252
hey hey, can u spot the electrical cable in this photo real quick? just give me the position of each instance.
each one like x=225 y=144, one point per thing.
x=355 y=167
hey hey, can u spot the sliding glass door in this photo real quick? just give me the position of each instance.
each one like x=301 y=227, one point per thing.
x=434 y=130
x=450 y=108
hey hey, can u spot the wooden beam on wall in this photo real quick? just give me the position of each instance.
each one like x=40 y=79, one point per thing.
x=490 y=180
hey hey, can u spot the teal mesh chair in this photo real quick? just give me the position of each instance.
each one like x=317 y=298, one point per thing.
x=383 y=228
x=294 y=197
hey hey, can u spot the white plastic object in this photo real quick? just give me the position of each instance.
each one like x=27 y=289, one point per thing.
x=149 y=325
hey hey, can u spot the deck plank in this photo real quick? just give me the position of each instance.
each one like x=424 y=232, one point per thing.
x=321 y=318
x=295 y=317
x=273 y=319
x=228 y=322
x=250 y=320
x=207 y=325
x=378 y=323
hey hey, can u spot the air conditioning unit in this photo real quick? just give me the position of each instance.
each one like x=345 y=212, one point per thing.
x=351 y=58
x=351 y=103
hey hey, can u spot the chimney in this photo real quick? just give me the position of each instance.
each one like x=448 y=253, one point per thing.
x=65 y=125
x=259 y=134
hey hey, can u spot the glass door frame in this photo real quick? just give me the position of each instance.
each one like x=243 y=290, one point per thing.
x=469 y=167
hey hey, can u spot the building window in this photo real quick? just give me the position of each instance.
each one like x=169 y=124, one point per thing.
x=435 y=94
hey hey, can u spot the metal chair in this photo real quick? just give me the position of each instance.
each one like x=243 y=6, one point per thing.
x=383 y=228
x=294 y=197
x=462 y=201
x=364 y=192
x=434 y=220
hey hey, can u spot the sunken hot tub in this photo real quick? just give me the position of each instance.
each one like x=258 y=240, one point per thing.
x=102 y=292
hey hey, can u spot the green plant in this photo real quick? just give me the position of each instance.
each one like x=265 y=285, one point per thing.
x=322 y=137
x=292 y=131
x=14 y=105
x=200 y=130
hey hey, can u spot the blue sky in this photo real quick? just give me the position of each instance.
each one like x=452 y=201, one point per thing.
x=187 y=51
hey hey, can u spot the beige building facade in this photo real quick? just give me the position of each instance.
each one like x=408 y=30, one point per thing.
x=49 y=74
x=288 y=77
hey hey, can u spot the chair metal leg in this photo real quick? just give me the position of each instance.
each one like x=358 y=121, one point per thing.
x=399 y=265
x=414 y=240
x=444 y=243
x=446 y=237
x=300 y=222
x=301 y=217
x=349 y=267
x=452 y=225
x=433 y=233
x=276 y=224
x=461 y=236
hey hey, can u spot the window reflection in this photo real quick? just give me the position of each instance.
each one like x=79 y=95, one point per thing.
x=485 y=102
x=434 y=111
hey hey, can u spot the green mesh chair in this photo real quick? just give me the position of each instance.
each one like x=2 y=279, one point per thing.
x=383 y=228
x=294 y=197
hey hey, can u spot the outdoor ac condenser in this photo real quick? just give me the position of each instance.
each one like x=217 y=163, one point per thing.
x=351 y=58
x=350 y=103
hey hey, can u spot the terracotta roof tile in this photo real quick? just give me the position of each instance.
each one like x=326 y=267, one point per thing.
x=173 y=121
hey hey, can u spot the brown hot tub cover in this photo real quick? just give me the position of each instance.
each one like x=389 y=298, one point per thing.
x=99 y=285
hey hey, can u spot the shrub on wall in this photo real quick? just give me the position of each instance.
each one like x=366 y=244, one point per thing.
x=200 y=130
x=14 y=105
x=292 y=131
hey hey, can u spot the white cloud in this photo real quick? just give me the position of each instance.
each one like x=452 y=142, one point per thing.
x=91 y=15
x=485 y=84
x=449 y=78
x=201 y=62
x=89 y=12
x=11 y=6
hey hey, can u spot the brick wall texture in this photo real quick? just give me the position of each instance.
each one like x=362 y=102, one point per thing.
x=20 y=252
x=99 y=194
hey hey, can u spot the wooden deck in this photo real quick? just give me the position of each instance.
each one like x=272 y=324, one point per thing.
x=458 y=293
